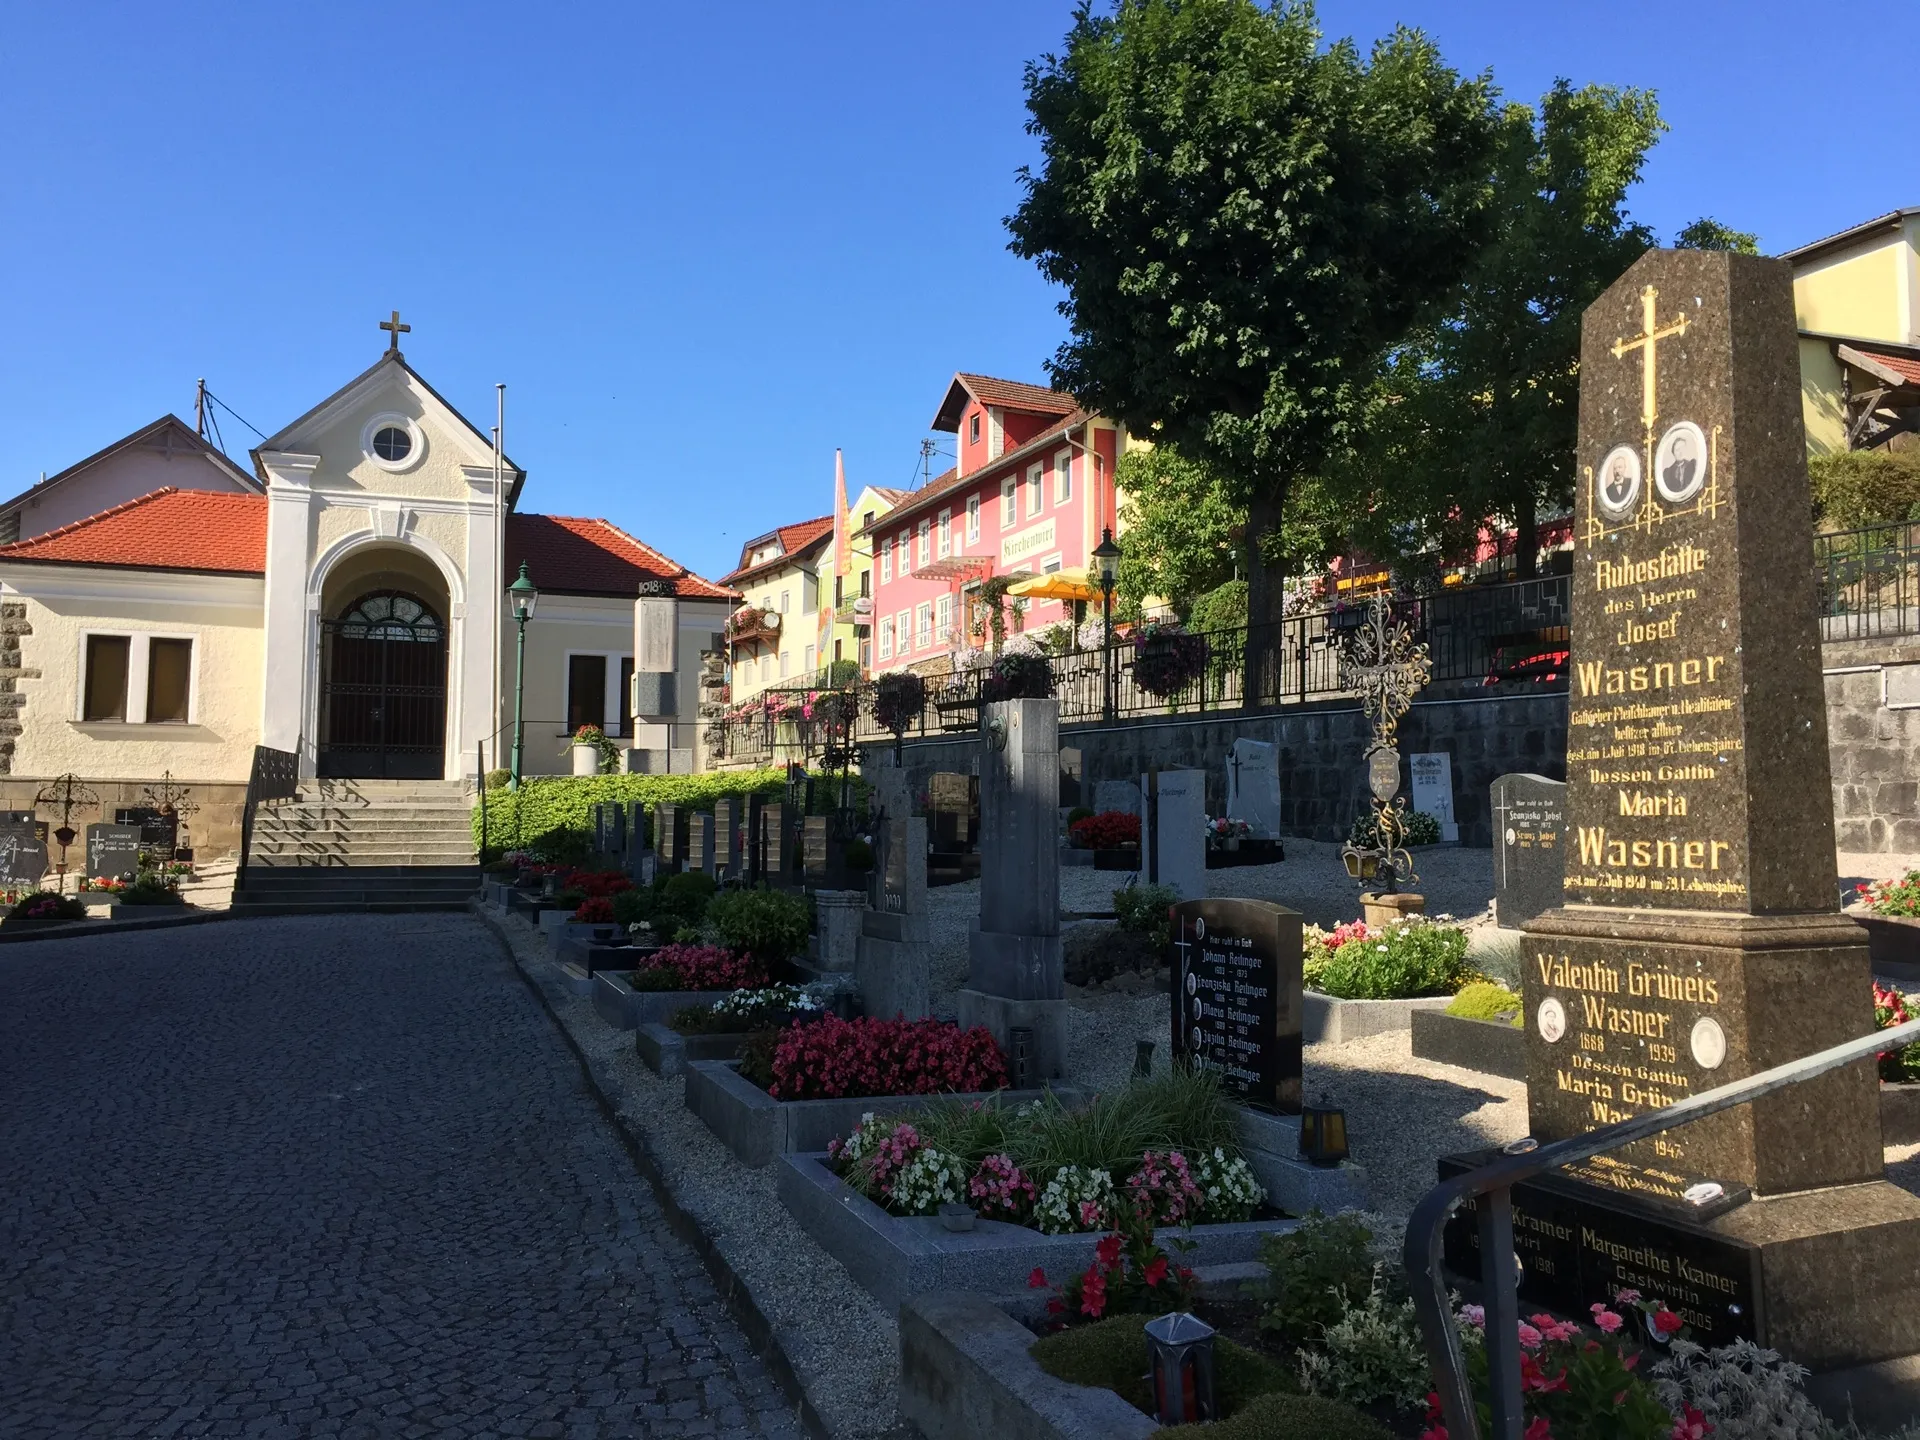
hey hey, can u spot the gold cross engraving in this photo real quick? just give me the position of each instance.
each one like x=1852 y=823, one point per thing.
x=396 y=330
x=1649 y=340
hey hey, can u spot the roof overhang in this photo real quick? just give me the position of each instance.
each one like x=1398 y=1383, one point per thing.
x=1892 y=220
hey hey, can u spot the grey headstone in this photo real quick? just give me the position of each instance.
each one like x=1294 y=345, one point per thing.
x=23 y=856
x=1529 y=847
x=1173 y=835
x=1121 y=795
x=726 y=834
x=700 y=843
x=113 y=851
x=1253 y=786
x=1432 y=789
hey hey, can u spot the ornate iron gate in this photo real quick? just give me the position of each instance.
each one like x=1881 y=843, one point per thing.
x=383 y=690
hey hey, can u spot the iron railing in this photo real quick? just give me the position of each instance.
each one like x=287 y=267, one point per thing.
x=1869 y=582
x=275 y=776
x=1491 y=1189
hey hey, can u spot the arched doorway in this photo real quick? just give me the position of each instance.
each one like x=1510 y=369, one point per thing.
x=383 y=689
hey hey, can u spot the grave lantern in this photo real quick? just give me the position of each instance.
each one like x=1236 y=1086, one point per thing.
x=1323 y=1135
x=1180 y=1353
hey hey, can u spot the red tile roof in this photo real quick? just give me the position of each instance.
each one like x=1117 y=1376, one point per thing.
x=1904 y=363
x=953 y=479
x=793 y=539
x=1014 y=394
x=574 y=555
x=166 y=529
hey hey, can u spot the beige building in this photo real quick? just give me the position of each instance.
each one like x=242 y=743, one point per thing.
x=344 y=604
x=1857 y=299
x=773 y=638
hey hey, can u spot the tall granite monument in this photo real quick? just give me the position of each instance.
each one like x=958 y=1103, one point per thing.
x=1699 y=941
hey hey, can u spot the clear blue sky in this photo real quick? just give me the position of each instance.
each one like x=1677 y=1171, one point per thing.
x=702 y=244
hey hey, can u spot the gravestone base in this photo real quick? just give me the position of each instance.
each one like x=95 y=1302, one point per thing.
x=1378 y=909
x=892 y=969
x=1819 y=1275
x=1000 y=963
x=1271 y=1147
x=1002 y=1015
x=839 y=914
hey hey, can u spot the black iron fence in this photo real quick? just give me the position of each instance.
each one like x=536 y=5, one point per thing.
x=1491 y=637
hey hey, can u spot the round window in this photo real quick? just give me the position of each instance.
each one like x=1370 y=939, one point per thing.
x=392 y=444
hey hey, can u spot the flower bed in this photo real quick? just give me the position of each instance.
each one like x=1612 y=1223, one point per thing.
x=742 y=1012
x=834 y=1059
x=1892 y=897
x=1407 y=958
x=699 y=967
x=1109 y=830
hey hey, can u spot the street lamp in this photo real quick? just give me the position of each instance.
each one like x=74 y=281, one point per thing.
x=524 y=597
x=1106 y=560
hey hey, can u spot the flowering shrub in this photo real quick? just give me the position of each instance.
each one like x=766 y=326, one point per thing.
x=589 y=735
x=1408 y=957
x=1735 y=1392
x=1230 y=1191
x=104 y=885
x=48 y=905
x=1108 y=830
x=1018 y=675
x=594 y=910
x=1421 y=829
x=1225 y=828
x=930 y=1178
x=1076 y=1198
x=1129 y=1272
x=1163 y=1188
x=1890 y=1009
x=898 y=698
x=1372 y=1352
x=1892 y=897
x=765 y=1008
x=1000 y=1190
x=1575 y=1386
x=1167 y=659
x=587 y=883
x=699 y=967
x=832 y=1058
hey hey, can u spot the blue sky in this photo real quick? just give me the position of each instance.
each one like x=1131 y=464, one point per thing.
x=702 y=244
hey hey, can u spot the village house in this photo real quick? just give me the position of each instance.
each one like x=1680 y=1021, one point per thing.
x=773 y=639
x=343 y=603
x=1856 y=298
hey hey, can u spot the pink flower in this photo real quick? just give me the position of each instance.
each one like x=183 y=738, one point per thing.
x=1626 y=1297
x=1037 y=1280
x=1606 y=1320
x=1539 y=1430
x=1529 y=1337
x=1691 y=1425
x=1474 y=1315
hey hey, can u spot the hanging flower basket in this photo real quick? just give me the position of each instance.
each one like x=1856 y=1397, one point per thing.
x=1019 y=675
x=1167 y=659
x=899 y=697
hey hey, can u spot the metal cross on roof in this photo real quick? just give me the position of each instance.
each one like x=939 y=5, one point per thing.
x=395 y=330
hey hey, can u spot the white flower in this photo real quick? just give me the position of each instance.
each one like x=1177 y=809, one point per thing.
x=1059 y=1210
x=930 y=1179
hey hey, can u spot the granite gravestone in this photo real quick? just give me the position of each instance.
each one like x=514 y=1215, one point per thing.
x=1529 y=850
x=1236 y=998
x=113 y=852
x=23 y=855
x=639 y=843
x=814 y=849
x=1253 y=786
x=1173 y=831
x=700 y=843
x=892 y=967
x=775 y=850
x=1700 y=943
x=1072 y=769
x=726 y=836
x=1430 y=777
x=1121 y=795
x=157 y=827
x=952 y=805
x=670 y=838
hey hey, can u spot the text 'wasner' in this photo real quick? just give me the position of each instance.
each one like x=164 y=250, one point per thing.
x=1598 y=678
x=1669 y=854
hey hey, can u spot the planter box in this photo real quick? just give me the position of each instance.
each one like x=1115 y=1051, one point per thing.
x=967 y=1369
x=625 y=1008
x=567 y=930
x=757 y=1127
x=1328 y=1021
x=1250 y=852
x=594 y=954
x=893 y=1258
x=1899 y=1114
x=1483 y=1045
x=667 y=1052
x=1072 y=858
x=1125 y=858
x=1893 y=944
x=550 y=918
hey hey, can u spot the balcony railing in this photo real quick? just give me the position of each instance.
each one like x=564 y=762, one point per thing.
x=1869 y=582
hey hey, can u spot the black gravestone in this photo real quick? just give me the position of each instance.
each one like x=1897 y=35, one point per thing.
x=113 y=851
x=776 y=858
x=726 y=835
x=1529 y=842
x=1236 y=998
x=23 y=855
x=157 y=828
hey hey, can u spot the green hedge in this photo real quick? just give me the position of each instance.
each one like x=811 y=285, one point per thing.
x=565 y=801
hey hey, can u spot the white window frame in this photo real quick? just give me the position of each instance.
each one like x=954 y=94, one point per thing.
x=813 y=660
x=903 y=632
x=905 y=548
x=943 y=619
x=886 y=561
x=1009 y=501
x=923 y=543
x=1052 y=564
x=973 y=519
x=1036 y=490
x=886 y=641
x=946 y=533
x=139 y=659
x=786 y=663
x=923 y=625
x=1063 y=477
x=973 y=428
x=785 y=595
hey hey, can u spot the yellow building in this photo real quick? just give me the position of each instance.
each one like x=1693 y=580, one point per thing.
x=1856 y=297
x=772 y=637
x=846 y=575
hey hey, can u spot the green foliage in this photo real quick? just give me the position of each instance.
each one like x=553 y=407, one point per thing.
x=1243 y=219
x=858 y=854
x=532 y=814
x=559 y=846
x=1143 y=910
x=1706 y=233
x=1112 y=1354
x=1422 y=829
x=632 y=906
x=1222 y=608
x=769 y=924
x=1077 y=814
x=497 y=779
x=150 y=889
x=1371 y=1353
x=1477 y=415
x=1856 y=488
x=1286 y=1417
x=756 y=1057
x=842 y=673
x=1485 y=1000
x=681 y=901
x=1313 y=1274
x=1181 y=529
x=1408 y=958
x=48 y=905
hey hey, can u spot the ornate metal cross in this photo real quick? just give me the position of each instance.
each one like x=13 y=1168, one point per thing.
x=1387 y=667
x=1649 y=339
x=395 y=330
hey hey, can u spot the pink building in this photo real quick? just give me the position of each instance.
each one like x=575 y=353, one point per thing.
x=1031 y=494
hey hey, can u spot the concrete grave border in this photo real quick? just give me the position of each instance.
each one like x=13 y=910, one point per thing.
x=667 y=1052
x=1331 y=1021
x=893 y=1257
x=1485 y=1046
x=626 y=1008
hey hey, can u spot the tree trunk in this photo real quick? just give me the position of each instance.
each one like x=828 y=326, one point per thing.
x=1526 y=543
x=1261 y=677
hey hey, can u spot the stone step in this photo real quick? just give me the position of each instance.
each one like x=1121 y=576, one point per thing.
x=362 y=827
x=360 y=860
x=454 y=873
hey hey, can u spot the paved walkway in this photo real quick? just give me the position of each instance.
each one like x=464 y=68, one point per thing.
x=330 y=1177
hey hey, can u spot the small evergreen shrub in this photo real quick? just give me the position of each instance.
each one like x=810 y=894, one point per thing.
x=1485 y=1000
x=681 y=901
x=1422 y=829
x=1112 y=1355
x=49 y=905
x=1857 y=488
x=1142 y=909
x=1313 y=1274
x=770 y=925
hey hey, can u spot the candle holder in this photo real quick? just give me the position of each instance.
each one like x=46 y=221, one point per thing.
x=1180 y=1354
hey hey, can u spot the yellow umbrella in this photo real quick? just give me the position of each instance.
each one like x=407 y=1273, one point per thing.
x=1070 y=584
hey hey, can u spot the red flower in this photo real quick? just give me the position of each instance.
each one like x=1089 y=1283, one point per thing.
x=1156 y=1270
x=1691 y=1425
x=1037 y=1280
x=1666 y=1322
x=1107 y=1252
x=1539 y=1430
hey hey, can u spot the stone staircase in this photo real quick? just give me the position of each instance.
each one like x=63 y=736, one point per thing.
x=362 y=845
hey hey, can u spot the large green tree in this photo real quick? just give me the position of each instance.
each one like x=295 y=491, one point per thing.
x=1243 y=220
x=1476 y=416
x=1707 y=233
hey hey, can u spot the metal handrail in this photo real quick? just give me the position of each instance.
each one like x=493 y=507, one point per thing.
x=1495 y=1183
x=275 y=775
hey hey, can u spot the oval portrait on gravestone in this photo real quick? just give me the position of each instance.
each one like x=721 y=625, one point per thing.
x=1616 y=488
x=1552 y=1019
x=1680 y=464
x=1192 y=983
x=1708 y=1043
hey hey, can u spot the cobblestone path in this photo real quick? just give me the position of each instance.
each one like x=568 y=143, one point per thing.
x=330 y=1176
